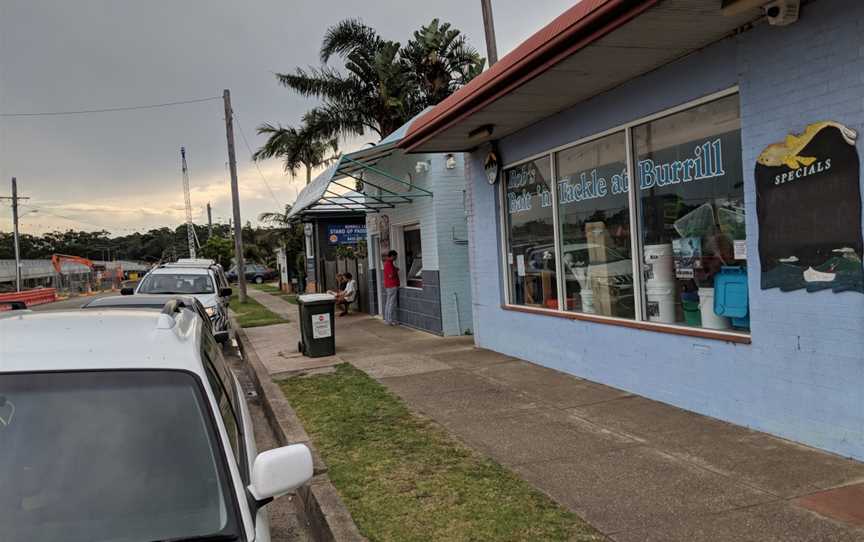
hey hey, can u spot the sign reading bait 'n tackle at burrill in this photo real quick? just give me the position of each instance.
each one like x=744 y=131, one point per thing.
x=809 y=209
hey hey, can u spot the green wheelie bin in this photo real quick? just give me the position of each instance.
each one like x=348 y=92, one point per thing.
x=317 y=325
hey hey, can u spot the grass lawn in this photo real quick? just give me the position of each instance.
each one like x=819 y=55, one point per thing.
x=404 y=478
x=253 y=314
x=274 y=290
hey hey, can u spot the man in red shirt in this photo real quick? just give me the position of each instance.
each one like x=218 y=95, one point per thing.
x=391 y=288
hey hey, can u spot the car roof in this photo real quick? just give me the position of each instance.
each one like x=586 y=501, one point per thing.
x=147 y=301
x=100 y=340
x=180 y=270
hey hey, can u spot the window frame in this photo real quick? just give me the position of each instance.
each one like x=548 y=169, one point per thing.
x=640 y=320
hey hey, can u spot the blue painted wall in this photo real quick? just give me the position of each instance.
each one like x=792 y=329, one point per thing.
x=803 y=376
x=440 y=217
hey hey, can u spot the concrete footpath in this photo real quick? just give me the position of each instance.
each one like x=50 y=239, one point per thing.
x=636 y=469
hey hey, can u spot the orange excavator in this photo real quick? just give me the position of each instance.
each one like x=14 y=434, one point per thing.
x=58 y=259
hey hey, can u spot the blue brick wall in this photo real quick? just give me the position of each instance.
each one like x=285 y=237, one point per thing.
x=803 y=376
x=441 y=217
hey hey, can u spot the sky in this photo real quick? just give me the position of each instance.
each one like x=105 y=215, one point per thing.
x=120 y=171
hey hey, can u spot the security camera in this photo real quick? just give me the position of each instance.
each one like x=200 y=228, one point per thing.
x=782 y=12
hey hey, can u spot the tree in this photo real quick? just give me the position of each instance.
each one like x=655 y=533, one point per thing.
x=219 y=249
x=440 y=61
x=304 y=147
x=384 y=85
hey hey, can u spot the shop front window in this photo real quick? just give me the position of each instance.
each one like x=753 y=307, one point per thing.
x=687 y=191
x=692 y=207
x=595 y=227
x=413 y=257
x=531 y=261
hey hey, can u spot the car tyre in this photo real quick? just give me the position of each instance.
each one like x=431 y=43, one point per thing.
x=259 y=280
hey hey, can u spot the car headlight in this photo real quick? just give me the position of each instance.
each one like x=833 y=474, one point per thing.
x=211 y=311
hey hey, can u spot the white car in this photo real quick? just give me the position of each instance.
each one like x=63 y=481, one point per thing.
x=203 y=283
x=126 y=426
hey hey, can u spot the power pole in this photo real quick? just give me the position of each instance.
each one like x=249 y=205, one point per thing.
x=235 y=197
x=489 y=27
x=15 y=240
x=209 y=221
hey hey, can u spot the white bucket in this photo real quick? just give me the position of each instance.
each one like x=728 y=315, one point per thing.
x=659 y=261
x=587 y=296
x=660 y=302
x=710 y=319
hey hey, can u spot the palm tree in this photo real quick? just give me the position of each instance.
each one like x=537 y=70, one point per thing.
x=441 y=61
x=298 y=148
x=383 y=84
x=275 y=218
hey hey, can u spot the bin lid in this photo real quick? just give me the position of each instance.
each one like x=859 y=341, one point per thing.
x=312 y=298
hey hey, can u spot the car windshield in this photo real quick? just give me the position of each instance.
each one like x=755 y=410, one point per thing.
x=109 y=456
x=180 y=283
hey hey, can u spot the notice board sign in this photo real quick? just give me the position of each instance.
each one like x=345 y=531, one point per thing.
x=809 y=210
x=346 y=234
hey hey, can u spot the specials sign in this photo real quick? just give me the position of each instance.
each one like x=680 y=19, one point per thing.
x=809 y=210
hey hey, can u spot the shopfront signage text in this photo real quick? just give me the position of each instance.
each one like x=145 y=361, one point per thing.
x=345 y=234
x=705 y=163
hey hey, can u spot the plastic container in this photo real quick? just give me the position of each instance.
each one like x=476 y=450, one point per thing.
x=659 y=258
x=731 y=300
x=660 y=298
x=317 y=329
x=587 y=301
x=710 y=319
x=690 y=306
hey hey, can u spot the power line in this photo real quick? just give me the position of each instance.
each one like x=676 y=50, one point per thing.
x=249 y=148
x=110 y=109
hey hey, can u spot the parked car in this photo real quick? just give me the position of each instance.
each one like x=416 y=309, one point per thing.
x=203 y=283
x=128 y=425
x=254 y=272
x=155 y=302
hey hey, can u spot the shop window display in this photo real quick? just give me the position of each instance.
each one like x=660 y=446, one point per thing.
x=594 y=218
x=688 y=167
x=530 y=227
x=413 y=257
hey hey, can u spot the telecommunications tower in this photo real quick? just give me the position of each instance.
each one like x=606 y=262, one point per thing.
x=190 y=227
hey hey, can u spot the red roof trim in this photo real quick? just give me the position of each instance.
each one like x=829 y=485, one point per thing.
x=576 y=28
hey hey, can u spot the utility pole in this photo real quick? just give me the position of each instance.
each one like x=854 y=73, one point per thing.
x=235 y=197
x=15 y=240
x=209 y=221
x=489 y=27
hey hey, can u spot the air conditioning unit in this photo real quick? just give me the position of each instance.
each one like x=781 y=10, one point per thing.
x=782 y=12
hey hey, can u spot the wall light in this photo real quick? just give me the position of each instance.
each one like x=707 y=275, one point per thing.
x=422 y=166
x=450 y=162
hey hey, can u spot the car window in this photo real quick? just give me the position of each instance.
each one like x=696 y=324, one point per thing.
x=224 y=389
x=180 y=283
x=111 y=455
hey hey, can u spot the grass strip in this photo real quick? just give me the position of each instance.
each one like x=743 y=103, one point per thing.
x=274 y=290
x=254 y=314
x=403 y=478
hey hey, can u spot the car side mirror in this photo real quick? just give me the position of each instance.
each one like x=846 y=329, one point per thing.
x=279 y=471
x=221 y=336
x=127 y=291
x=225 y=292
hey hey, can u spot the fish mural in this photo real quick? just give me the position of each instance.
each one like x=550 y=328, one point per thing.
x=808 y=203
x=789 y=152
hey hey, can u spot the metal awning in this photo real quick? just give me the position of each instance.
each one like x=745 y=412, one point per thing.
x=344 y=186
